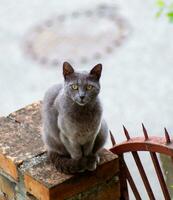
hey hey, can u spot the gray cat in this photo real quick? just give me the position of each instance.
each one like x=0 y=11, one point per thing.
x=73 y=128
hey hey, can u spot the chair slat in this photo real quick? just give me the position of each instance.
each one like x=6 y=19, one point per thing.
x=143 y=175
x=160 y=176
x=131 y=182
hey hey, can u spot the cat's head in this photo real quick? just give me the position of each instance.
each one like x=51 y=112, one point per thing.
x=82 y=87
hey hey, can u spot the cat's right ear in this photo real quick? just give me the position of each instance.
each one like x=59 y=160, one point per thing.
x=67 y=70
x=96 y=71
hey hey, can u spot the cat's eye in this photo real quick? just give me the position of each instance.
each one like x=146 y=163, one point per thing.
x=74 y=87
x=89 y=87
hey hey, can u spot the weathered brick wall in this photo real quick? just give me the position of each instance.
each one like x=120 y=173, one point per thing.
x=26 y=174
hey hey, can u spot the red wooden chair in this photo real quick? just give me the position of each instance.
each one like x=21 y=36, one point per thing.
x=152 y=145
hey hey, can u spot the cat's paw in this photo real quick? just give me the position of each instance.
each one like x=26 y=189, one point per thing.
x=80 y=166
x=92 y=162
x=73 y=167
x=67 y=165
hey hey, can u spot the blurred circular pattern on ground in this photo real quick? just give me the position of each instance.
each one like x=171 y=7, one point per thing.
x=79 y=37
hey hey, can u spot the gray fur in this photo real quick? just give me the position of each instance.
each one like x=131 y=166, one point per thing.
x=73 y=128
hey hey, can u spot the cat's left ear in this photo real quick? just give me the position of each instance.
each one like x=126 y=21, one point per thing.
x=67 y=69
x=96 y=71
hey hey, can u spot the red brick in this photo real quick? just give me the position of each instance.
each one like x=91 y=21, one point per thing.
x=2 y=197
x=36 y=188
x=8 y=166
x=105 y=191
x=7 y=187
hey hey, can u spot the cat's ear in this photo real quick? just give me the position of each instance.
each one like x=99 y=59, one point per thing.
x=67 y=69
x=96 y=71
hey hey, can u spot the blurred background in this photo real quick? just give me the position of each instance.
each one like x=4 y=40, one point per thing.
x=135 y=48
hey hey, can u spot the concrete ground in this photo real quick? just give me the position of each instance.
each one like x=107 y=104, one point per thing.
x=137 y=77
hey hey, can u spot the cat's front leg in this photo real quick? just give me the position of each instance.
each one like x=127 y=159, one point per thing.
x=77 y=163
x=75 y=152
x=88 y=147
x=72 y=147
x=92 y=158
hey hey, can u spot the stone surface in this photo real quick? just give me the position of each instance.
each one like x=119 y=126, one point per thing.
x=19 y=140
x=44 y=182
x=29 y=115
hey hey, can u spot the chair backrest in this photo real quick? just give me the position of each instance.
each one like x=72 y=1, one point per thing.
x=152 y=145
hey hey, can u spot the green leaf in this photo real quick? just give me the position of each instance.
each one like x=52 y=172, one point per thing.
x=160 y=3
x=170 y=16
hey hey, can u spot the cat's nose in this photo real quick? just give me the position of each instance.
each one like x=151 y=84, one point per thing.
x=82 y=97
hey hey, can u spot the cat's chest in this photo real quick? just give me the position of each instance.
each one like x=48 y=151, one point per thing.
x=80 y=128
x=81 y=123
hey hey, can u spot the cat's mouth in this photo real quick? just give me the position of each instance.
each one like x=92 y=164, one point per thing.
x=81 y=103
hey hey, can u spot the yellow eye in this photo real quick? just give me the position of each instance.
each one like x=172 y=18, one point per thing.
x=74 y=87
x=89 y=87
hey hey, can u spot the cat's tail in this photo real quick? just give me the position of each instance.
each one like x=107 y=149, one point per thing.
x=67 y=165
